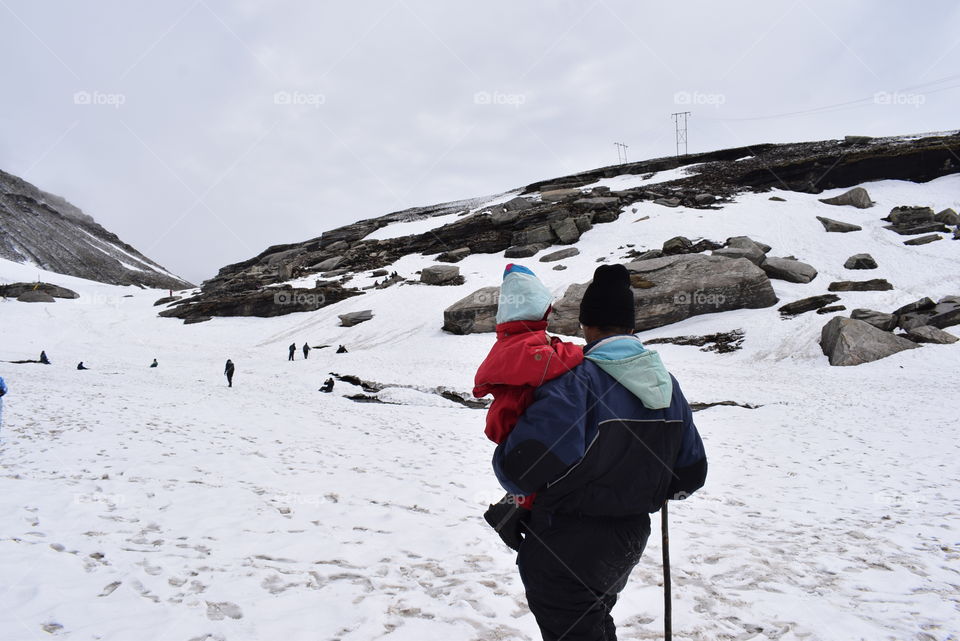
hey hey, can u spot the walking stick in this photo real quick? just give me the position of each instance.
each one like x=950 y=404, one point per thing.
x=667 y=610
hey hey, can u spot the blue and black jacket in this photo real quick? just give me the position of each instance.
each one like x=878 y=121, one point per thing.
x=612 y=437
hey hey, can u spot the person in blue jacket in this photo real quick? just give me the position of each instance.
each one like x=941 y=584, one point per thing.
x=602 y=446
x=3 y=392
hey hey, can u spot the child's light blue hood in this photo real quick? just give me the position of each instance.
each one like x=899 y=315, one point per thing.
x=635 y=367
x=522 y=296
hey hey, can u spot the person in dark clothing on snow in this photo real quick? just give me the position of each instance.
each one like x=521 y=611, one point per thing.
x=154 y=363
x=228 y=371
x=602 y=446
x=327 y=385
x=43 y=358
x=341 y=350
x=293 y=350
x=80 y=365
x=306 y=351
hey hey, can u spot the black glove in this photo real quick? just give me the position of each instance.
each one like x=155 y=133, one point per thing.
x=509 y=520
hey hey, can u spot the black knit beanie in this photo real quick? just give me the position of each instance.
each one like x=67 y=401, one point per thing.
x=608 y=301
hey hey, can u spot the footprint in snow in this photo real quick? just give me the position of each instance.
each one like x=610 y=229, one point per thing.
x=219 y=611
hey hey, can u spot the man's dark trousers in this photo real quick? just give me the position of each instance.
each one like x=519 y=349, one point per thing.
x=573 y=568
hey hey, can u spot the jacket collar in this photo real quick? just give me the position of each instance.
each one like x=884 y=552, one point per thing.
x=519 y=327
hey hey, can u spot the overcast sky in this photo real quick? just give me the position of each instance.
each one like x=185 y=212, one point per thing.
x=202 y=131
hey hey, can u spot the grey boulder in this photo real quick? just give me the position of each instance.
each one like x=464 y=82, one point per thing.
x=439 y=274
x=569 y=252
x=886 y=322
x=35 y=296
x=354 y=318
x=928 y=334
x=847 y=341
x=473 y=314
x=860 y=261
x=856 y=197
x=676 y=288
x=948 y=217
x=787 y=269
x=838 y=226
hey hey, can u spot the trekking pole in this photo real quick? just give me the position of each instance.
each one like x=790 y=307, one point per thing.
x=667 y=609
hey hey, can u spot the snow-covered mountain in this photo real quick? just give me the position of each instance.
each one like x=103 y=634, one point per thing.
x=157 y=503
x=46 y=231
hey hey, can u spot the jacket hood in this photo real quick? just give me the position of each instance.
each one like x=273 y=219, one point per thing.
x=522 y=296
x=635 y=367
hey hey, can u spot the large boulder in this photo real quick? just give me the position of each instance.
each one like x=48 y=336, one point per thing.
x=440 y=275
x=678 y=287
x=355 y=318
x=518 y=204
x=886 y=322
x=847 y=341
x=838 y=226
x=36 y=296
x=14 y=290
x=474 y=313
x=856 y=197
x=328 y=264
x=454 y=255
x=860 y=261
x=908 y=221
x=808 y=304
x=745 y=242
x=923 y=240
x=787 y=269
x=566 y=230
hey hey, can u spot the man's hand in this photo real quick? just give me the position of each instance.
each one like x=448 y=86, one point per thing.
x=509 y=520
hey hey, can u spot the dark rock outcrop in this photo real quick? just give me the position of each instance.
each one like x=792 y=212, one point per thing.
x=36 y=296
x=271 y=301
x=860 y=261
x=560 y=254
x=873 y=285
x=807 y=304
x=45 y=230
x=886 y=322
x=923 y=240
x=928 y=334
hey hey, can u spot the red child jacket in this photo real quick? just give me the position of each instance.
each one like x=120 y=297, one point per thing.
x=523 y=358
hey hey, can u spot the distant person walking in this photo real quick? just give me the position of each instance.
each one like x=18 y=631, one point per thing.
x=306 y=351
x=80 y=365
x=43 y=358
x=154 y=363
x=327 y=385
x=293 y=351
x=228 y=371
x=341 y=350
x=3 y=392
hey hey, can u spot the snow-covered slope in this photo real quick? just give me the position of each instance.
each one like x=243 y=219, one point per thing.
x=47 y=232
x=141 y=503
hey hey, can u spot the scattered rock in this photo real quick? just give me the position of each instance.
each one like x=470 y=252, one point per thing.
x=377 y=273
x=745 y=242
x=754 y=256
x=192 y=320
x=886 y=322
x=777 y=199
x=857 y=140
x=566 y=230
x=559 y=268
x=473 y=314
x=36 y=296
x=698 y=407
x=860 y=261
x=829 y=309
x=847 y=341
x=355 y=318
x=521 y=251
x=721 y=342
x=454 y=255
x=518 y=204
x=440 y=275
x=924 y=304
x=908 y=221
x=948 y=217
x=596 y=203
x=167 y=299
x=503 y=217
x=856 y=197
x=667 y=202
x=792 y=271
x=928 y=334
x=328 y=264
x=683 y=286
x=677 y=245
x=704 y=199
x=569 y=252
x=873 y=285
x=837 y=226
x=923 y=240
x=808 y=304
